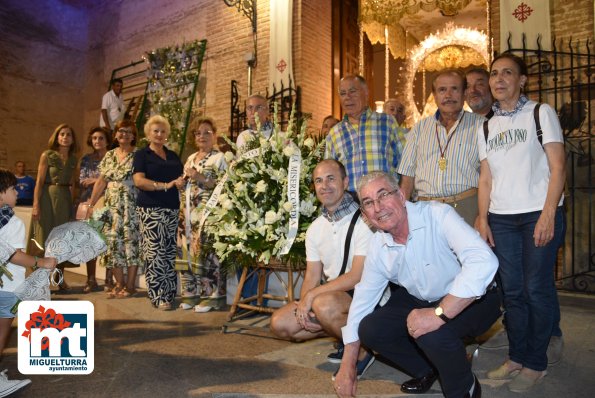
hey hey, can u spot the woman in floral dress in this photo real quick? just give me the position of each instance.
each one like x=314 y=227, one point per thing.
x=201 y=276
x=52 y=199
x=99 y=139
x=122 y=228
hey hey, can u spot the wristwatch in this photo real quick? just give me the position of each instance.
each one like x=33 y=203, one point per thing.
x=440 y=314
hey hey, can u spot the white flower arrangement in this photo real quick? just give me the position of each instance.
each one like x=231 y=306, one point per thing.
x=251 y=221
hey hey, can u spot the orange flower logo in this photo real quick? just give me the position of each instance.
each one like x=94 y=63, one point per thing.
x=43 y=319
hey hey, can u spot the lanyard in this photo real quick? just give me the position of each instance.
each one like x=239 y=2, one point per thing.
x=442 y=160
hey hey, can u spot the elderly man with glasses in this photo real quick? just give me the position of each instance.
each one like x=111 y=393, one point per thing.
x=363 y=140
x=257 y=114
x=443 y=272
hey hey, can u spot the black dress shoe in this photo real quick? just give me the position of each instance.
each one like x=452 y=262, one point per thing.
x=419 y=385
x=476 y=389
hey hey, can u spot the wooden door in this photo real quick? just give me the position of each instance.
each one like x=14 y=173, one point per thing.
x=346 y=47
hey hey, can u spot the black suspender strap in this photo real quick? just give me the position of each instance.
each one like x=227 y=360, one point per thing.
x=348 y=240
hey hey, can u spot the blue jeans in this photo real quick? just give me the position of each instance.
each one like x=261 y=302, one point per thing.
x=7 y=301
x=527 y=276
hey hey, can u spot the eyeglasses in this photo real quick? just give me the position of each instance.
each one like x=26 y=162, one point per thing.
x=352 y=91
x=199 y=133
x=255 y=108
x=124 y=131
x=381 y=198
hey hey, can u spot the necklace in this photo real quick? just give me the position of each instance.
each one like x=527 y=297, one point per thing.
x=502 y=131
x=121 y=154
x=442 y=161
x=201 y=163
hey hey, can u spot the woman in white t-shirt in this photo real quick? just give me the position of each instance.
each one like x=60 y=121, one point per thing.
x=520 y=214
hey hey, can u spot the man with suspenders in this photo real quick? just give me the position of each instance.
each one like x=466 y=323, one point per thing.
x=336 y=246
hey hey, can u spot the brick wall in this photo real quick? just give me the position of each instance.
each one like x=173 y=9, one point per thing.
x=42 y=49
x=58 y=57
x=312 y=57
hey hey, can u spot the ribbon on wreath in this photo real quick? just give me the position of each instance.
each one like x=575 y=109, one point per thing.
x=293 y=194
x=214 y=198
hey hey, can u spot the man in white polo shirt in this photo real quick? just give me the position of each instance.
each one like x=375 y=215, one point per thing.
x=322 y=308
x=112 y=105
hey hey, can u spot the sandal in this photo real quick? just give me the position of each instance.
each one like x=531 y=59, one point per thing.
x=108 y=287
x=90 y=286
x=125 y=293
x=114 y=292
x=165 y=306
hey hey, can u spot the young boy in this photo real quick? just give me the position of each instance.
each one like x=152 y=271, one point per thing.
x=12 y=241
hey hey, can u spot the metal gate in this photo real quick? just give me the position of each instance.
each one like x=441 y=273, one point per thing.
x=285 y=98
x=563 y=77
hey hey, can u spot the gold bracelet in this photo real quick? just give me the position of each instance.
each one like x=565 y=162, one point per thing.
x=35 y=267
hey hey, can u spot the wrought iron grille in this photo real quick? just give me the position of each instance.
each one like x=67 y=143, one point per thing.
x=285 y=97
x=563 y=77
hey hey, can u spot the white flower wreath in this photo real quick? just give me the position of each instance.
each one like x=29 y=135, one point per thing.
x=266 y=202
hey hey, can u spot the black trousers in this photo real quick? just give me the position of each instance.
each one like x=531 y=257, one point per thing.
x=385 y=331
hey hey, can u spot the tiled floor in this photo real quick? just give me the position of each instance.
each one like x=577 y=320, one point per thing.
x=144 y=352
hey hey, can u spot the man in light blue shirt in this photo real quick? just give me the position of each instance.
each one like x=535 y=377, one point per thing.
x=443 y=271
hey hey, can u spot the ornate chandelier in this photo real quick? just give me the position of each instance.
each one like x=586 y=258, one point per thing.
x=390 y=12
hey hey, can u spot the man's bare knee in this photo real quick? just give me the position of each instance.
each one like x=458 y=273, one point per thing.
x=277 y=325
x=331 y=305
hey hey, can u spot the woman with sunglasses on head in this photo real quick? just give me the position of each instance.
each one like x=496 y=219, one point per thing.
x=52 y=198
x=122 y=230
x=203 y=277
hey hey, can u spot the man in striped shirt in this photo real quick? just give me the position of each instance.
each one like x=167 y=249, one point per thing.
x=441 y=158
x=364 y=140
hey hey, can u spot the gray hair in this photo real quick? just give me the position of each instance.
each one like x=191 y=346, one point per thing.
x=374 y=175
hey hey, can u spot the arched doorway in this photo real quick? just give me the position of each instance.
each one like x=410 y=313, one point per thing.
x=452 y=48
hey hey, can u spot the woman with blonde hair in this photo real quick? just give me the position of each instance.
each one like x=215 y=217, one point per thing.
x=52 y=198
x=157 y=173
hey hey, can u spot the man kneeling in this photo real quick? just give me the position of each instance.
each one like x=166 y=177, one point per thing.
x=322 y=308
x=444 y=273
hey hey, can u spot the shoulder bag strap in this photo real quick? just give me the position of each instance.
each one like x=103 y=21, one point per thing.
x=348 y=240
x=538 y=124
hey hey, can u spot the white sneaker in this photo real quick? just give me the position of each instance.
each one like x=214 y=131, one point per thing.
x=202 y=308
x=8 y=387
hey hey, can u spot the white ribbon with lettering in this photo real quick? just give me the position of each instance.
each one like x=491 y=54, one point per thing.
x=214 y=199
x=293 y=196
